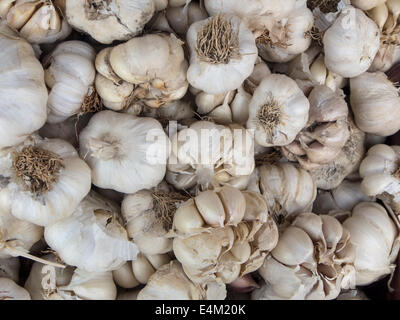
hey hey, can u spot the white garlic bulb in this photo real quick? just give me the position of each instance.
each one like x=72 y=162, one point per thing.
x=38 y=21
x=9 y=268
x=170 y=282
x=92 y=239
x=70 y=76
x=287 y=189
x=283 y=39
x=46 y=179
x=109 y=20
x=351 y=43
x=380 y=173
x=23 y=102
x=221 y=47
x=148 y=216
x=326 y=131
x=313 y=260
x=278 y=111
x=126 y=153
x=9 y=290
x=375 y=102
x=151 y=69
x=375 y=238
x=207 y=155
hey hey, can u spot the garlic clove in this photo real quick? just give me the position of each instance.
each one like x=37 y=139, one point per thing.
x=241 y=252
x=124 y=277
x=234 y=204
x=142 y=268
x=5 y=7
x=111 y=92
x=318 y=70
x=103 y=66
x=394 y=8
x=158 y=260
x=228 y=269
x=211 y=208
x=187 y=218
x=379 y=14
x=376 y=184
x=19 y=14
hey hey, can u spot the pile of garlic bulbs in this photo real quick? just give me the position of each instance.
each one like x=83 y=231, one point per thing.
x=198 y=149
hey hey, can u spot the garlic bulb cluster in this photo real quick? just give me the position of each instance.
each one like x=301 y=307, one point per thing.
x=148 y=215
x=351 y=43
x=9 y=290
x=375 y=102
x=379 y=171
x=151 y=69
x=93 y=238
x=287 y=189
x=326 y=131
x=206 y=155
x=233 y=230
x=278 y=111
x=178 y=18
x=23 y=102
x=342 y=198
x=313 y=260
x=221 y=47
x=231 y=107
x=109 y=20
x=69 y=74
x=376 y=241
x=113 y=142
x=38 y=21
x=46 y=179
x=170 y=282
x=284 y=38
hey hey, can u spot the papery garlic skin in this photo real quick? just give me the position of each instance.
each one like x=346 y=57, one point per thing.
x=70 y=184
x=9 y=268
x=151 y=69
x=375 y=102
x=113 y=142
x=206 y=155
x=107 y=21
x=380 y=173
x=171 y=283
x=92 y=239
x=69 y=75
x=287 y=189
x=375 y=237
x=37 y=21
x=326 y=132
x=9 y=290
x=234 y=65
x=351 y=43
x=278 y=111
x=23 y=103
x=313 y=260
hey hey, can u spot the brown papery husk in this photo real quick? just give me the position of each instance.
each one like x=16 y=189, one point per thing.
x=37 y=168
x=217 y=42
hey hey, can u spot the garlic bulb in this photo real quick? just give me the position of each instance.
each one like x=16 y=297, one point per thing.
x=148 y=215
x=278 y=111
x=9 y=268
x=232 y=107
x=206 y=155
x=330 y=175
x=342 y=198
x=113 y=142
x=151 y=69
x=287 y=189
x=367 y=4
x=221 y=47
x=375 y=237
x=171 y=283
x=9 y=290
x=23 y=102
x=92 y=239
x=233 y=229
x=351 y=43
x=109 y=20
x=375 y=102
x=70 y=76
x=43 y=282
x=145 y=265
x=380 y=173
x=313 y=260
x=326 y=131
x=46 y=179
x=283 y=39
x=38 y=21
